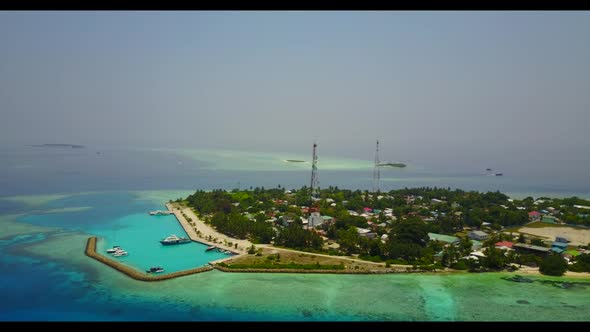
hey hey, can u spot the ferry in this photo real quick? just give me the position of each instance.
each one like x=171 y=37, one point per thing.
x=155 y=269
x=173 y=239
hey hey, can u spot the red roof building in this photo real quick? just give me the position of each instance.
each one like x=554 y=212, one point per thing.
x=506 y=244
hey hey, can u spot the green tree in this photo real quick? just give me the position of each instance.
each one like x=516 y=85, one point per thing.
x=553 y=265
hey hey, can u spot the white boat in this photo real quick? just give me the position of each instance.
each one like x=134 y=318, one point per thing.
x=173 y=239
x=113 y=250
x=160 y=212
x=119 y=253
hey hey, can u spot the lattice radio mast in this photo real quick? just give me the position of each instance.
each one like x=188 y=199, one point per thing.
x=376 y=174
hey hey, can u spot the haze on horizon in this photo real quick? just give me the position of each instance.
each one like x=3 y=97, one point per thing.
x=448 y=86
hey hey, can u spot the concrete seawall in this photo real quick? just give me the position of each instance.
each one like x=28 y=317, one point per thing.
x=91 y=252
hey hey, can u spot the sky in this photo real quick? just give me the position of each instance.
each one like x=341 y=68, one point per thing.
x=446 y=86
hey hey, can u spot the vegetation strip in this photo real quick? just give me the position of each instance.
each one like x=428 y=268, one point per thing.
x=91 y=252
x=273 y=270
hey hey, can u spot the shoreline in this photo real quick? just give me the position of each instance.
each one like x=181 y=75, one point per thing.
x=206 y=231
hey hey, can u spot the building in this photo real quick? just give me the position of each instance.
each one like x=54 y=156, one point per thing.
x=476 y=245
x=315 y=219
x=443 y=238
x=365 y=232
x=478 y=235
x=559 y=247
x=534 y=215
x=327 y=219
x=504 y=245
x=531 y=249
x=549 y=220
x=561 y=238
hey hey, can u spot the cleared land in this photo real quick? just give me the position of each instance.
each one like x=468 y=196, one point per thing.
x=576 y=236
x=291 y=256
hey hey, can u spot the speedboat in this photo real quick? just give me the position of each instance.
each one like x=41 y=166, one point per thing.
x=119 y=253
x=113 y=250
x=210 y=248
x=155 y=269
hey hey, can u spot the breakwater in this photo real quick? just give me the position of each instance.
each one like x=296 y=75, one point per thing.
x=142 y=276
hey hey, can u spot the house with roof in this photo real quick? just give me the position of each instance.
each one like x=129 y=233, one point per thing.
x=315 y=219
x=534 y=215
x=476 y=245
x=504 y=245
x=549 y=220
x=558 y=247
x=477 y=235
x=365 y=232
x=443 y=238
x=531 y=249
x=561 y=238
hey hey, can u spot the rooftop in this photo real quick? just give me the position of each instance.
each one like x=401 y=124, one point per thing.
x=443 y=238
x=531 y=247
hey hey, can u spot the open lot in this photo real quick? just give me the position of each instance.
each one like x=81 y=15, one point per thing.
x=577 y=236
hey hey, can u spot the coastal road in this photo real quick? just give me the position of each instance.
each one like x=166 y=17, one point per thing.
x=205 y=230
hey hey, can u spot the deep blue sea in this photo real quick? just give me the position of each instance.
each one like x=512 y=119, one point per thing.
x=53 y=199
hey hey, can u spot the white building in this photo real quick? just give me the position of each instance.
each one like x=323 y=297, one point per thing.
x=315 y=219
x=478 y=235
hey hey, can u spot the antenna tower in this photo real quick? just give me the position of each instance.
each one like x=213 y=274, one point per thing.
x=376 y=174
x=315 y=182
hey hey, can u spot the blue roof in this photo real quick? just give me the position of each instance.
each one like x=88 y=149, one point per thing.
x=557 y=250
x=559 y=244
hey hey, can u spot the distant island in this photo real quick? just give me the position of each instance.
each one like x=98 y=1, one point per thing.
x=51 y=145
x=294 y=161
x=392 y=164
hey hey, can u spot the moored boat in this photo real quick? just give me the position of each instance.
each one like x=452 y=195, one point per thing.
x=113 y=250
x=155 y=269
x=210 y=248
x=173 y=239
x=120 y=253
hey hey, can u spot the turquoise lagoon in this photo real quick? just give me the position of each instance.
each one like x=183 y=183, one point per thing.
x=48 y=277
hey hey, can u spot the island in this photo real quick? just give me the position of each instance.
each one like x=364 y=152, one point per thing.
x=392 y=165
x=52 y=145
x=406 y=230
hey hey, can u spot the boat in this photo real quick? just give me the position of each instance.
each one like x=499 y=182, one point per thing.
x=155 y=269
x=488 y=169
x=160 y=213
x=498 y=174
x=120 y=253
x=113 y=250
x=210 y=248
x=173 y=239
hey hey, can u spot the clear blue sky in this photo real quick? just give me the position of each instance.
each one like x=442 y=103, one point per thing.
x=448 y=85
